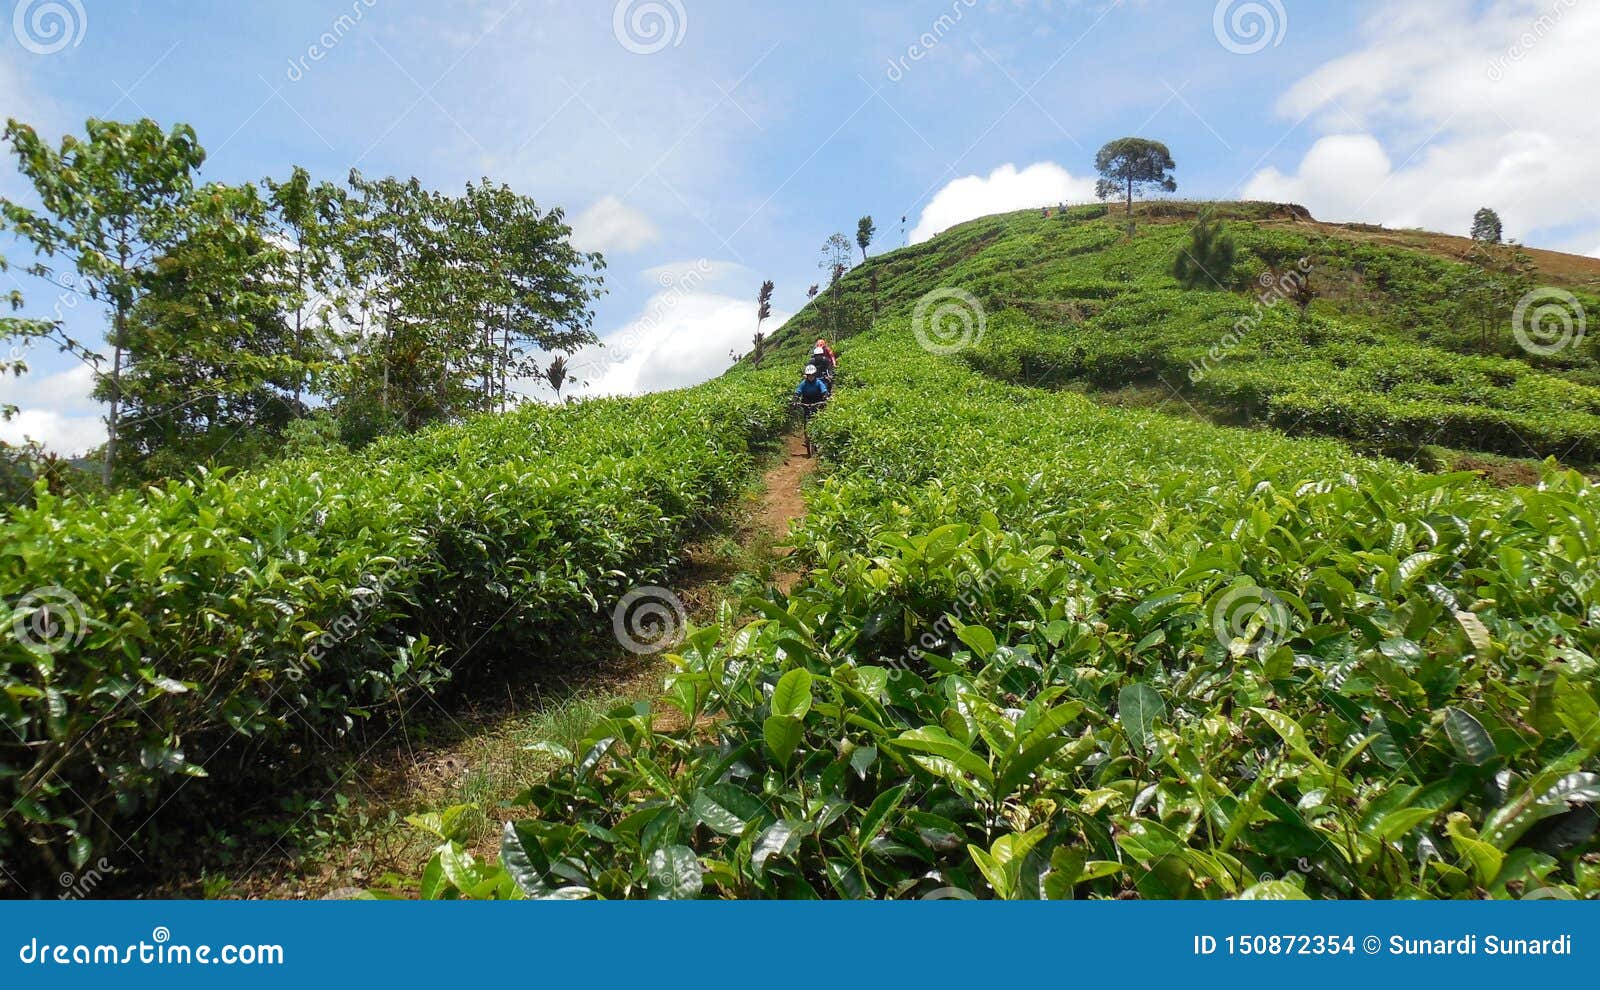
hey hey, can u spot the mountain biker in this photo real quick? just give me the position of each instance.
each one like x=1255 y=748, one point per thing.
x=833 y=359
x=813 y=391
x=823 y=363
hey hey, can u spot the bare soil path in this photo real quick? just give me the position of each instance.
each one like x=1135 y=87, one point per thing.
x=782 y=502
x=480 y=753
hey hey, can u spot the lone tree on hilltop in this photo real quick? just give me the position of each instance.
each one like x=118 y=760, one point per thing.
x=864 y=231
x=1486 y=227
x=1207 y=260
x=1128 y=165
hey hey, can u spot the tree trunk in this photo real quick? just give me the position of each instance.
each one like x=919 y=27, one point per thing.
x=110 y=462
x=299 y=322
x=1130 y=197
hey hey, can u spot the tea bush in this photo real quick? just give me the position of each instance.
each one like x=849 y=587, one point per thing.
x=1052 y=650
x=201 y=626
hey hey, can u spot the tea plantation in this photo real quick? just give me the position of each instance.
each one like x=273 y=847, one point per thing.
x=1246 y=644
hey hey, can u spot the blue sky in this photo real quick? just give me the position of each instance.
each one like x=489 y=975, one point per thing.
x=705 y=145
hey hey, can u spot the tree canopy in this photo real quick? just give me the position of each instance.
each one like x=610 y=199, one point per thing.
x=1130 y=165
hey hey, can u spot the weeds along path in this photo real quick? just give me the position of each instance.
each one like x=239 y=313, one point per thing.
x=480 y=753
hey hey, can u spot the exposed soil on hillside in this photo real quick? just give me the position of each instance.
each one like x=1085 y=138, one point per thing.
x=1568 y=270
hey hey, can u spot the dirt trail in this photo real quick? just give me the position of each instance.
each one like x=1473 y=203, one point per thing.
x=782 y=503
x=479 y=752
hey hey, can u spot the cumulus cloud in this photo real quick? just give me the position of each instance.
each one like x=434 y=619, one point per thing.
x=1446 y=108
x=614 y=226
x=56 y=410
x=1006 y=188
x=682 y=337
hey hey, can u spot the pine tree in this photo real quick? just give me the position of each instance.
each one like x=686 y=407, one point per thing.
x=1486 y=227
x=1207 y=261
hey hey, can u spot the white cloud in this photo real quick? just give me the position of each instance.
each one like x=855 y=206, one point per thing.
x=56 y=410
x=1447 y=108
x=611 y=225
x=68 y=436
x=683 y=337
x=1006 y=188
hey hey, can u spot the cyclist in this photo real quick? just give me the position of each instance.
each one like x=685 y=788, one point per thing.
x=812 y=392
x=823 y=363
x=833 y=359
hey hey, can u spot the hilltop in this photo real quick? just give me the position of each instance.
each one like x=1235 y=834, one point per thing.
x=1407 y=347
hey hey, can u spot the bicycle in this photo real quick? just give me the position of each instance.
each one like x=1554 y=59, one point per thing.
x=806 y=411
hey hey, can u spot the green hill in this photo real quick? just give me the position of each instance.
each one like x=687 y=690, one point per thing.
x=1045 y=645
x=1398 y=351
x=1048 y=648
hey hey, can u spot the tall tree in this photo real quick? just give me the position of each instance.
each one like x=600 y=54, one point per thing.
x=1129 y=165
x=111 y=205
x=1486 y=227
x=758 y=349
x=212 y=363
x=836 y=255
x=864 y=231
x=460 y=294
x=307 y=217
x=1488 y=290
